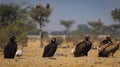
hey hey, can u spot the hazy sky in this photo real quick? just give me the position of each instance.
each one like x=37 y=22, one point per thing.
x=79 y=10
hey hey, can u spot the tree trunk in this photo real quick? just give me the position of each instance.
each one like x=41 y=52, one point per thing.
x=40 y=33
x=67 y=38
x=41 y=43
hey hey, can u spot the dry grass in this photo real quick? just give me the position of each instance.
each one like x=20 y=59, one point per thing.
x=32 y=58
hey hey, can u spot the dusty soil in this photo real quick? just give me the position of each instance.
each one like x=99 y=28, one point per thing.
x=32 y=57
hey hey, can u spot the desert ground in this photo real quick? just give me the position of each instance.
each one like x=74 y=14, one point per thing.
x=32 y=57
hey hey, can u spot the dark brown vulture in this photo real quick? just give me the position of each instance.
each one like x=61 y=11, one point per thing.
x=83 y=47
x=10 y=49
x=109 y=49
x=50 y=49
x=106 y=41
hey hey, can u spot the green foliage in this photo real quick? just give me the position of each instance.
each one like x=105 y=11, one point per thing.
x=10 y=13
x=116 y=14
x=13 y=21
x=32 y=28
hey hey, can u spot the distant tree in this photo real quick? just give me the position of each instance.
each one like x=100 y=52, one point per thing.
x=99 y=28
x=96 y=26
x=67 y=24
x=55 y=33
x=116 y=14
x=41 y=14
x=83 y=28
x=114 y=26
x=58 y=32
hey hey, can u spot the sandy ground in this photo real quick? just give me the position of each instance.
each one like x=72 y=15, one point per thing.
x=32 y=57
